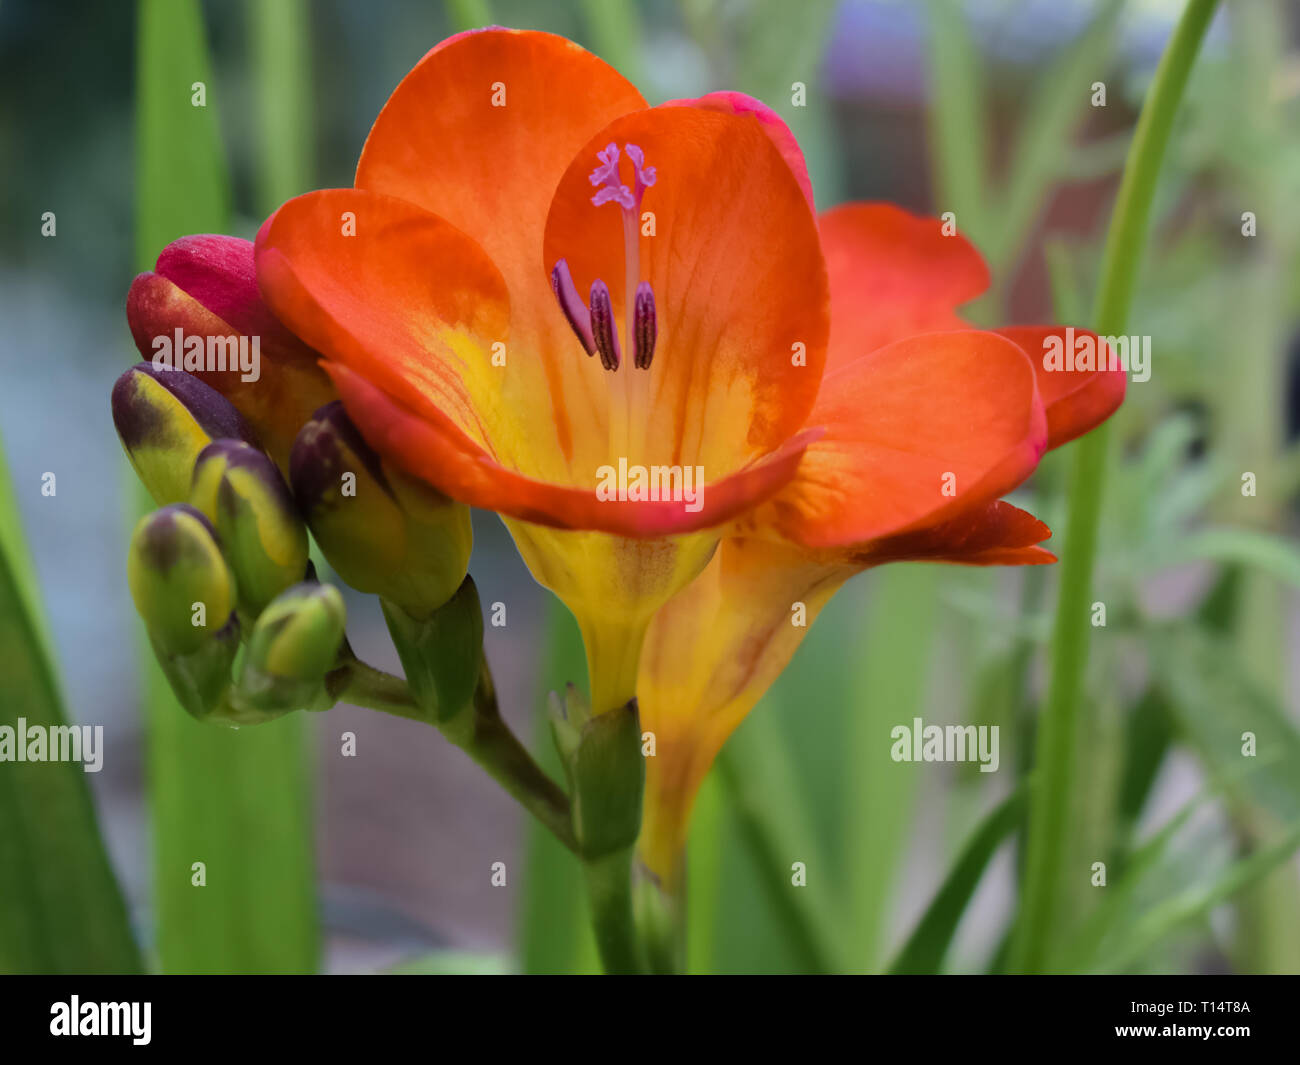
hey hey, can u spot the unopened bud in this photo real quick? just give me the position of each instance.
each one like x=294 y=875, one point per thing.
x=164 y=419
x=265 y=541
x=383 y=532
x=294 y=644
x=181 y=585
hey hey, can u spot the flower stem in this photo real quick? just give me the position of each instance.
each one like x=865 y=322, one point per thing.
x=480 y=732
x=609 y=885
x=1052 y=785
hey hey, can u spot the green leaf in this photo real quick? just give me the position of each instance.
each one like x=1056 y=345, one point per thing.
x=764 y=796
x=61 y=910
x=959 y=119
x=236 y=801
x=1214 y=704
x=1057 y=101
x=925 y=948
x=452 y=963
x=1273 y=555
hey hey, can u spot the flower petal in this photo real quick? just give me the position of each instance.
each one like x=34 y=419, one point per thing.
x=406 y=312
x=479 y=133
x=423 y=446
x=711 y=653
x=893 y=274
x=738 y=103
x=735 y=265
x=916 y=433
x=994 y=534
x=206 y=286
x=1076 y=400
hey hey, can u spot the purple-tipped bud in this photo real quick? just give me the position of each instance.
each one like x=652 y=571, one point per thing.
x=602 y=326
x=165 y=418
x=575 y=311
x=644 y=327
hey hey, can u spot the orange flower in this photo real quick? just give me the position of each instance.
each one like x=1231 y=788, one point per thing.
x=926 y=424
x=518 y=207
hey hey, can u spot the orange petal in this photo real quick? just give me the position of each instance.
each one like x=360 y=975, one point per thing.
x=424 y=446
x=1076 y=400
x=205 y=286
x=711 y=653
x=736 y=269
x=738 y=103
x=893 y=274
x=994 y=534
x=715 y=649
x=916 y=432
x=479 y=133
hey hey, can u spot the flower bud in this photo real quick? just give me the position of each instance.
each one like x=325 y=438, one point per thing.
x=164 y=419
x=383 y=532
x=602 y=760
x=242 y=493
x=294 y=644
x=181 y=585
x=442 y=655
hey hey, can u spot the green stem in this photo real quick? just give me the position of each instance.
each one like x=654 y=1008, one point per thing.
x=1052 y=789
x=481 y=733
x=609 y=884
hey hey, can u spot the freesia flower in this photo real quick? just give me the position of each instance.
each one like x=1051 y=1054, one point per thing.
x=538 y=278
x=926 y=424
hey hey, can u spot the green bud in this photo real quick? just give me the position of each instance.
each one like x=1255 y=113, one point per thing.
x=442 y=655
x=181 y=585
x=294 y=644
x=383 y=532
x=164 y=418
x=605 y=769
x=239 y=488
x=201 y=680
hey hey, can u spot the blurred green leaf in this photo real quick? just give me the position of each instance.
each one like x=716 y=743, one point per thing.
x=959 y=120
x=452 y=963
x=280 y=42
x=61 y=910
x=925 y=948
x=615 y=30
x=237 y=801
x=1057 y=101
x=1272 y=555
x=890 y=684
x=1214 y=704
x=704 y=878
x=764 y=795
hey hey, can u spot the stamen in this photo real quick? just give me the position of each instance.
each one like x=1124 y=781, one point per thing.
x=566 y=293
x=602 y=326
x=644 y=325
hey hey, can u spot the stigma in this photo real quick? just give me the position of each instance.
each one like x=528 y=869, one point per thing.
x=593 y=323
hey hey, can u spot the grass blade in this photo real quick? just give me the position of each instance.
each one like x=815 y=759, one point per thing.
x=61 y=909
x=925 y=948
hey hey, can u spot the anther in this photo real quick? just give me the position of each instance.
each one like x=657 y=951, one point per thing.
x=602 y=326
x=566 y=293
x=644 y=327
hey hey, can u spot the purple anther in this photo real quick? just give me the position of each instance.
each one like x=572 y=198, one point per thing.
x=602 y=326
x=575 y=311
x=644 y=327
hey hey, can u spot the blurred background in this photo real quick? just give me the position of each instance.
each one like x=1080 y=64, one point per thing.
x=984 y=108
